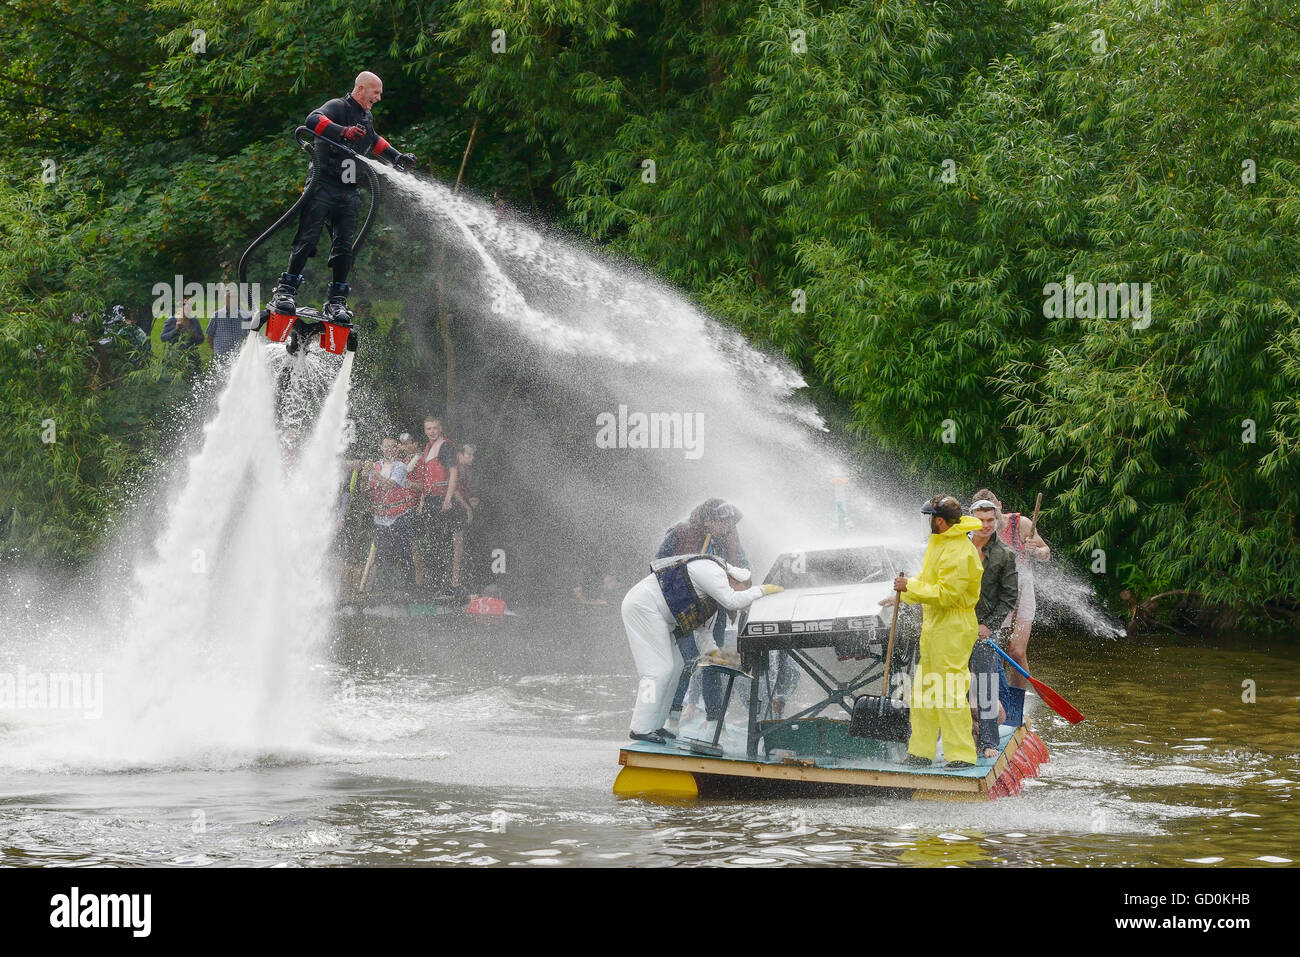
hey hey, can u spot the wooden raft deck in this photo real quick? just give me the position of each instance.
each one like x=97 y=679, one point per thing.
x=876 y=765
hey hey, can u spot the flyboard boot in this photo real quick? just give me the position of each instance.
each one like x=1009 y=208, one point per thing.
x=297 y=326
x=281 y=306
x=336 y=308
x=282 y=298
x=337 y=332
x=282 y=311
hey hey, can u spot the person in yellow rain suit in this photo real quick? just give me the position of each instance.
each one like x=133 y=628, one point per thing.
x=947 y=590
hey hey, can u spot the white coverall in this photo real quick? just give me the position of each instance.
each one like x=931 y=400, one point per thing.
x=649 y=627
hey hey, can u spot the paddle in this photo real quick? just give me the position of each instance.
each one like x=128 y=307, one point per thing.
x=1033 y=522
x=889 y=652
x=1054 y=701
x=365 y=572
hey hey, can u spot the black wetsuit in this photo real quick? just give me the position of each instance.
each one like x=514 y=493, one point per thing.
x=333 y=201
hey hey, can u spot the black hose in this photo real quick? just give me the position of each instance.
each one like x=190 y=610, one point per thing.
x=300 y=136
x=371 y=179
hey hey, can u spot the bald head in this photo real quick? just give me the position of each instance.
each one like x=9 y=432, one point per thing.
x=367 y=89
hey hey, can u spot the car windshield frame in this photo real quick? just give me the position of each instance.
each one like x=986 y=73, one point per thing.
x=835 y=567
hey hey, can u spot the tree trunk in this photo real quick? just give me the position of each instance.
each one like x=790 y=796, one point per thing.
x=709 y=18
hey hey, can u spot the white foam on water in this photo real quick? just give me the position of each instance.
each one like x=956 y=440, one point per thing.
x=213 y=664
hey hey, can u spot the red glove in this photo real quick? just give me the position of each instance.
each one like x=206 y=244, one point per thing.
x=353 y=133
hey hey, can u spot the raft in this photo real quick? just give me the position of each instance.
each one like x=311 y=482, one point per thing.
x=818 y=757
x=808 y=751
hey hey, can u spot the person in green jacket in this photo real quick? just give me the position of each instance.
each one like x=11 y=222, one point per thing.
x=947 y=590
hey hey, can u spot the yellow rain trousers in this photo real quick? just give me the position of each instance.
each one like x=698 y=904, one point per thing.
x=947 y=590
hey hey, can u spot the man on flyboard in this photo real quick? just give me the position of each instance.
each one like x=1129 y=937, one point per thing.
x=333 y=200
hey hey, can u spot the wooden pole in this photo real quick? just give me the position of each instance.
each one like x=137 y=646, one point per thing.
x=365 y=572
x=889 y=652
x=1033 y=522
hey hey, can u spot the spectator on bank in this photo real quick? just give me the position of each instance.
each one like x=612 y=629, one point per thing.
x=128 y=325
x=390 y=503
x=408 y=451
x=184 y=332
x=436 y=476
x=116 y=336
x=464 y=485
x=462 y=515
x=352 y=528
x=141 y=316
x=225 y=328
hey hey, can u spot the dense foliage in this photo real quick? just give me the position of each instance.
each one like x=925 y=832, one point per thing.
x=883 y=189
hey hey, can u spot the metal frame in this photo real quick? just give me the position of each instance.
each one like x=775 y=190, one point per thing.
x=757 y=649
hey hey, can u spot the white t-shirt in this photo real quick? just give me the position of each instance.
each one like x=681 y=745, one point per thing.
x=397 y=472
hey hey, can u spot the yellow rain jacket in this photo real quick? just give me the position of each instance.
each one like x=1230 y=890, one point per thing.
x=947 y=589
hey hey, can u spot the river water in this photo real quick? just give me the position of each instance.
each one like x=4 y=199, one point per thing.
x=497 y=744
x=245 y=721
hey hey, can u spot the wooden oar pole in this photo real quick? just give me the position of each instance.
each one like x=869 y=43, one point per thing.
x=1033 y=522
x=365 y=572
x=889 y=651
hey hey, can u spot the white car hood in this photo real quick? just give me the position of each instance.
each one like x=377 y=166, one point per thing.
x=828 y=603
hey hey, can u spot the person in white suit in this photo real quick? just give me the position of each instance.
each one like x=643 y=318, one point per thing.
x=681 y=594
